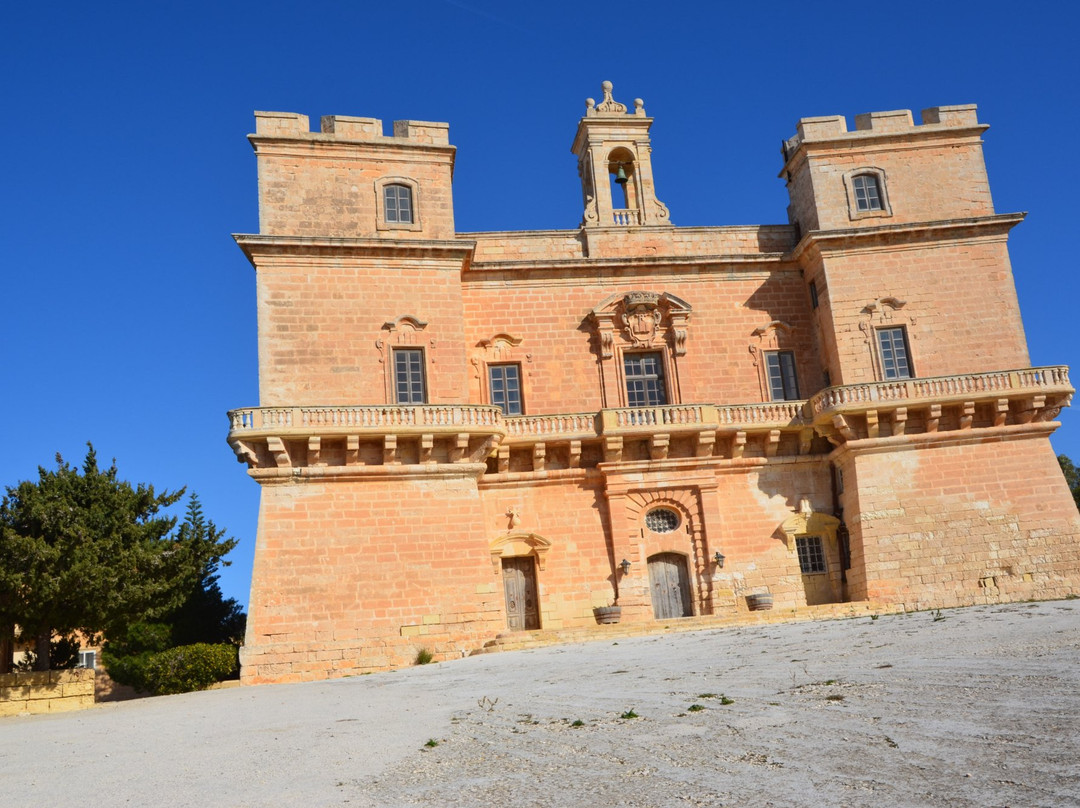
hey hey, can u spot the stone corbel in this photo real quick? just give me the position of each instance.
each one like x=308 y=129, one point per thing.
x=613 y=448
x=244 y=453
x=1029 y=408
x=705 y=443
x=873 y=426
x=658 y=446
x=899 y=421
x=390 y=455
x=352 y=450
x=314 y=451
x=843 y=427
x=427 y=443
x=459 y=448
x=738 y=444
x=504 y=459
x=575 y=454
x=279 y=451
x=806 y=437
x=679 y=332
x=967 y=414
x=1001 y=412
x=933 y=418
x=772 y=443
x=539 y=456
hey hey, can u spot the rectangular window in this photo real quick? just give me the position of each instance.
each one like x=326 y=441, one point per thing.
x=644 y=379
x=409 y=376
x=397 y=200
x=813 y=295
x=811 y=554
x=87 y=659
x=895 y=357
x=783 y=385
x=505 y=384
x=866 y=192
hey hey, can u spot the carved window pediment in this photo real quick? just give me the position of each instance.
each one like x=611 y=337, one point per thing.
x=519 y=543
x=641 y=319
x=809 y=523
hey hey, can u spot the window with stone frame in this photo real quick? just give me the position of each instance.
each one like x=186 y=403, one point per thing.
x=894 y=353
x=644 y=375
x=783 y=383
x=398 y=204
x=867 y=193
x=811 y=552
x=504 y=384
x=868 y=196
x=410 y=384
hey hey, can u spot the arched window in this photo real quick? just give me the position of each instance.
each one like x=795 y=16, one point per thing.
x=398 y=204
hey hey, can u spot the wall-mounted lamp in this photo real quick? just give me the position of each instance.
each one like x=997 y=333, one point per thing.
x=719 y=559
x=625 y=566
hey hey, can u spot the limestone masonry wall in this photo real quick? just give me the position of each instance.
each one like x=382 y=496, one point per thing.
x=952 y=525
x=835 y=410
x=46 y=692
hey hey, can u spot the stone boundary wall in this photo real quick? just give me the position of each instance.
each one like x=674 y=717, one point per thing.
x=46 y=691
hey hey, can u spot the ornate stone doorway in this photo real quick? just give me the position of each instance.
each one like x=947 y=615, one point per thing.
x=669 y=582
x=519 y=585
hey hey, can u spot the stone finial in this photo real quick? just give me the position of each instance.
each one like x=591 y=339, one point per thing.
x=609 y=104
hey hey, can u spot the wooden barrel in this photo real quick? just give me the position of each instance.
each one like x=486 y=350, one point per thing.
x=759 y=603
x=608 y=614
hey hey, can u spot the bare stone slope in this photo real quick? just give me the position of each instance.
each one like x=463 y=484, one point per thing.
x=966 y=707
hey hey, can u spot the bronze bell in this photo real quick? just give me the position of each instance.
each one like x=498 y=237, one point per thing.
x=620 y=176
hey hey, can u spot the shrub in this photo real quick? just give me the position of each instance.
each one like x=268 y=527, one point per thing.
x=190 y=667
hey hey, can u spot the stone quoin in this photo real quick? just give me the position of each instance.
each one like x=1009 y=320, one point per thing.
x=462 y=435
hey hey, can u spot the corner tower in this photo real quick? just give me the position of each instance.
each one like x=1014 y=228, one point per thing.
x=615 y=165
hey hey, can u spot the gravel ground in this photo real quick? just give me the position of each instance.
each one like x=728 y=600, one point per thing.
x=966 y=707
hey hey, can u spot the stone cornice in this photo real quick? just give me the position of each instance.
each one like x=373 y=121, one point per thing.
x=260 y=245
x=333 y=145
x=585 y=264
x=848 y=237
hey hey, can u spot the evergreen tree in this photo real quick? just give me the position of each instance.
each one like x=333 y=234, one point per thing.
x=1072 y=477
x=90 y=552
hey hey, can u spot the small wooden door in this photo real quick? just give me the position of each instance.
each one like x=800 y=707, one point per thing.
x=670 y=586
x=519 y=584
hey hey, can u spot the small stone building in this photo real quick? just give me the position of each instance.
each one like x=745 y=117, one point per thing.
x=461 y=434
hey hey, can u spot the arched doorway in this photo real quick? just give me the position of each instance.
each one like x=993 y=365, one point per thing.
x=669 y=583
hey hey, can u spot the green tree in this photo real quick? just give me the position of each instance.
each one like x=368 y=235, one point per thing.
x=86 y=551
x=1072 y=477
x=204 y=616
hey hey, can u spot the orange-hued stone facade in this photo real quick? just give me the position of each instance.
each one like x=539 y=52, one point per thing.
x=462 y=436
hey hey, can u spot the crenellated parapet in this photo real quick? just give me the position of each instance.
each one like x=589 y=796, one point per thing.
x=293 y=125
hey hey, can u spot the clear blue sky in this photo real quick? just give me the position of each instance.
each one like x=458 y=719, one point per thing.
x=129 y=313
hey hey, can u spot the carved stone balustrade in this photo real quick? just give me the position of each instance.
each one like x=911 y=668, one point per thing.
x=942 y=403
x=277 y=441
x=352 y=437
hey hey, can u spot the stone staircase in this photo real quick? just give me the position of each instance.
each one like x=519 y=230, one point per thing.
x=517 y=640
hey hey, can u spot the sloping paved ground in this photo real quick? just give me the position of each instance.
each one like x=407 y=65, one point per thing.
x=980 y=707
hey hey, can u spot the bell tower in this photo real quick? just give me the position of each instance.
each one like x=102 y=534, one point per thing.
x=615 y=165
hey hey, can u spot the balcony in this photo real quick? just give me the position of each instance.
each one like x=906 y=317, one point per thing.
x=963 y=401
x=438 y=435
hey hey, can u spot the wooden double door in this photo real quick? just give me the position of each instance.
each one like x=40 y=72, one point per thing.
x=670 y=585
x=519 y=585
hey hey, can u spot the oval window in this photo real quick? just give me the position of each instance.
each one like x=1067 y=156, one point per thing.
x=662 y=520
